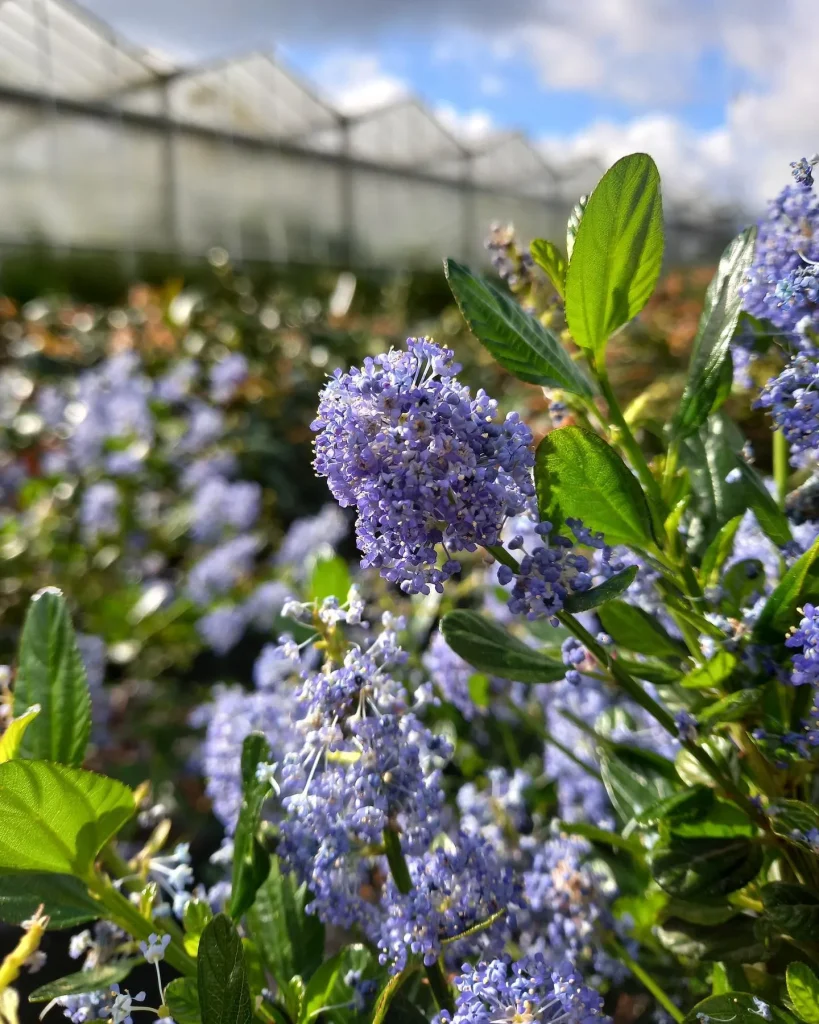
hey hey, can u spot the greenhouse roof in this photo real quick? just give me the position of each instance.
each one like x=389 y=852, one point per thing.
x=55 y=48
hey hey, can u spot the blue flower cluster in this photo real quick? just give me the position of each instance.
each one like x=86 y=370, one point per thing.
x=793 y=400
x=424 y=462
x=806 y=662
x=526 y=991
x=782 y=283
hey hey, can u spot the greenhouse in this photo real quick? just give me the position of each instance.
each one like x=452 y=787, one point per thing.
x=104 y=147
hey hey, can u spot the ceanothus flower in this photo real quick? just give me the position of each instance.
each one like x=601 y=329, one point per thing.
x=227 y=376
x=219 y=504
x=222 y=627
x=222 y=568
x=310 y=535
x=806 y=663
x=99 y=511
x=781 y=285
x=793 y=400
x=530 y=991
x=424 y=462
x=454 y=888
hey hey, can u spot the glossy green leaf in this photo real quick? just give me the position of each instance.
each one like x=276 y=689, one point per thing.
x=57 y=819
x=290 y=941
x=789 y=816
x=327 y=991
x=330 y=578
x=718 y=322
x=722 y=819
x=736 y=1007
x=735 y=707
x=712 y=674
x=718 y=552
x=551 y=261
x=85 y=981
x=780 y=610
x=601 y=835
x=182 y=999
x=579 y=475
x=634 y=629
x=490 y=648
x=735 y=941
x=617 y=253
x=688 y=805
x=518 y=341
x=792 y=909
x=702 y=869
x=586 y=600
x=651 y=670
x=251 y=862
x=12 y=738
x=721 y=750
x=65 y=899
x=635 y=780
x=224 y=997
x=803 y=991
x=51 y=673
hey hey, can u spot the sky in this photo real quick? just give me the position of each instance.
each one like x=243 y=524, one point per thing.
x=722 y=93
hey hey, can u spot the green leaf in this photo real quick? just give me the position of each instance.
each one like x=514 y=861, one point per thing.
x=196 y=916
x=789 y=816
x=551 y=261
x=735 y=941
x=736 y=1007
x=290 y=941
x=741 y=586
x=50 y=672
x=224 y=997
x=489 y=648
x=803 y=991
x=586 y=600
x=718 y=552
x=329 y=994
x=85 y=981
x=710 y=675
x=722 y=819
x=772 y=520
x=780 y=610
x=182 y=999
x=57 y=819
x=733 y=708
x=518 y=341
x=601 y=836
x=617 y=253
x=702 y=869
x=689 y=805
x=66 y=899
x=721 y=750
x=251 y=862
x=635 y=780
x=575 y=217
x=579 y=475
x=12 y=738
x=793 y=909
x=708 y=914
x=636 y=630
x=330 y=578
x=651 y=671
x=718 y=322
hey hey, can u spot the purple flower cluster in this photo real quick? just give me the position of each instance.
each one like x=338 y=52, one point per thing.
x=366 y=763
x=806 y=662
x=424 y=462
x=781 y=285
x=793 y=400
x=100 y=511
x=454 y=889
x=527 y=991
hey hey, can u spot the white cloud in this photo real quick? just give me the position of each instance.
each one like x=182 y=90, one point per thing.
x=357 y=82
x=470 y=127
x=491 y=85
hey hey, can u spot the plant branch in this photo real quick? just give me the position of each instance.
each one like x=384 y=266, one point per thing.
x=643 y=976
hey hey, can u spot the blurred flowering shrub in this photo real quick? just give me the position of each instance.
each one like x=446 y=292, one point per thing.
x=546 y=754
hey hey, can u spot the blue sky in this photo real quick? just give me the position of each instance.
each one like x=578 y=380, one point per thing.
x=720 y=91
